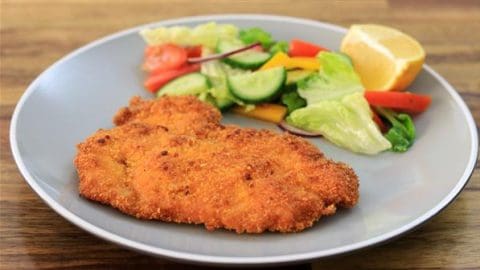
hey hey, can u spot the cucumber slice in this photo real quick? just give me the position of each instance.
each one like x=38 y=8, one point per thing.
x=250 y=59
x=189 y=84
x=293 y=76
x=257 y=86
x=224 y=103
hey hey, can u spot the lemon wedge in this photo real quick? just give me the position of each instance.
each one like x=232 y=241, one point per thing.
x=385 y=58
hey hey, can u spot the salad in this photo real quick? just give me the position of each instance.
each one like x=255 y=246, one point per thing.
x=354 y=98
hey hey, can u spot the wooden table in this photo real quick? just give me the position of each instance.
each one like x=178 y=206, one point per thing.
x=35 y=33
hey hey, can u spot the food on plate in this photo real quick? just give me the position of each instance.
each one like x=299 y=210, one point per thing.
x=303 y=87
x=304 y=49
x=170 y=159
x=385 y=58
x=250 y=59
x=184 y=115
x=402 y=131
x=403 y=101
x=266 y=111
x=281 y=59
x=206 y=35
x=337 y=109
x=259 y=86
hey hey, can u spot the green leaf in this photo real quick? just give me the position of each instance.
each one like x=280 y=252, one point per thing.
x=206 y=34
x=347 y=122
x=336 y=79
x=402 y=133
x=255 y=34
x=279 y=46
x=293 y=101
x=337 y=108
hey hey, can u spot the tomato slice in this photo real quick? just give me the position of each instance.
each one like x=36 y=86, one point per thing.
x=156 y=81
x=164 y=57
x=194 y=51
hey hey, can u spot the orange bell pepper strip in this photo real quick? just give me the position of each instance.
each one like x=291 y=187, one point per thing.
x=282 y=59
x=268 y=112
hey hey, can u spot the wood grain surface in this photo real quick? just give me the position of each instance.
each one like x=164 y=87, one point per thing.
x=36 y=33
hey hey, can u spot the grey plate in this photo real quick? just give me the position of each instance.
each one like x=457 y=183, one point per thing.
x=81 y=92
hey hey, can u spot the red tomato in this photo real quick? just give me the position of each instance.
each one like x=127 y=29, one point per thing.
x=156 y=81
x=194 y=51
x=164 y=57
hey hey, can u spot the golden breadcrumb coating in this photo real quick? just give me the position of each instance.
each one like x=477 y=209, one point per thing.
x=170 y=159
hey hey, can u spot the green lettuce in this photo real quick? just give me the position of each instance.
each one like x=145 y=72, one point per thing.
x=346 y=122
x=255 y=34
x=336 y=79
x=402 y=133
x=206 y=34
x=293 y=101
x=279 y=46
x=337 y=108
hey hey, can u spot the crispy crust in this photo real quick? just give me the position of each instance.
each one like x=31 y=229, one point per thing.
x=186 y=115
x=189 y=171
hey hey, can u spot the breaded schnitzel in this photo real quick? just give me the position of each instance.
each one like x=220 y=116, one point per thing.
x=186 y=115
x=247 y=180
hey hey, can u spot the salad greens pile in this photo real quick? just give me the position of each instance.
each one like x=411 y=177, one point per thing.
x=336 y=107
x=207 y=34
x=299 y=84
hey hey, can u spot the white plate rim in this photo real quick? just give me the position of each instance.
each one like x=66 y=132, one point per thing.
x=224 y=260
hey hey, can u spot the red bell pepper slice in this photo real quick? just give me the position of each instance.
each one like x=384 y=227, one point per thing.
x=302 y=48
x=403 y=101
x=379 y=122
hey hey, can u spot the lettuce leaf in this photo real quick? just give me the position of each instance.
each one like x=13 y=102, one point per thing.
x=255 y=34
x=279 y=46
x=347 y=122
x=337 y=108
x=293 y=101
x=206 y=34
x=402 y=133
x=335 y=79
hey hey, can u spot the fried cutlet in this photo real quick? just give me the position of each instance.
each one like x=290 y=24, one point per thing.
x=186 y=115
x=229 y=177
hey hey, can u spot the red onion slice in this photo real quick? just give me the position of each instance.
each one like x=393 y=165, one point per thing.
x=296 y=131
x=196 y=60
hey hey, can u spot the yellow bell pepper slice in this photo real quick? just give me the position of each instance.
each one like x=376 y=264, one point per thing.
x=282 y=59
x=310 y=63
x=268 y=112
